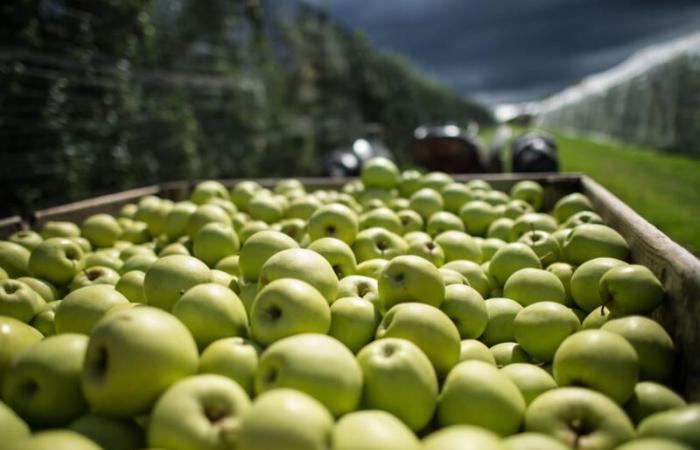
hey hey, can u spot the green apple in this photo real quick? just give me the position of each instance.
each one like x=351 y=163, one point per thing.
x=443 y=221
x=382 y=218
x=435 y=180
x=459 y=246
x=56 y=260
x=26 y=238
x=259 y=248
x=544 y=245
x=596 y=318
x=631 y=289
x=170 y=277
x=59 y=228
x=15 y=338
x=315 y=364
x=12 y=428
x=136 y=232
x=428 y=250
x=582 y=217
x=477 y=216
x=130 y=285
x=591 y=241
x=285 y=418
x=580 y=418
x=380 y=172
x=153 y=211
x=246 y=292
x=455 y=195
x=410 y=182
x=585 y=282
x=43 y=383
x=679 y=424
x=516 y=208
x=353 y=322
x=250 y=228
x=102 y=230
x=529 y=286
x=476 y=393
x=473 y=273
x=222 y=278
x=510 y=258
x=235 y=358
x=134 y=250
x=467 y=309
x=83 y=243
x=463 y=437
x=301 y=264
x=450 y=277
x=20 y=301
x=489 y=247
x=571 y=204
x=333 y=220
x=80 y=310
x=205 y=214
x=243 y=192
x=652 y=343
x=529 y=191
x=358 y=286
x=177 y=218
x=532 y=222
x=109 y=433
x=410 y=220
x=653 y=444
x=46 y=290
x=471 y=349
x=294 y=228
x=213 y=242
x=409 y=278
x=57 y=440
x=378 y=243
x=202 y=412
x=564 y=272
x=391 y=368
x=426 y=202
x=534 y=441
x=45 y=319
x=206 y=190
x=229 y=264
x=92 y=276
x=211 y=311
x=129 y=364
x=501 y=313
x=303 y=207
x=651 y=398
x=600 y=360
x=127 y=211
x=105 y=258
x=427 y=327
x=532 y=381
x=507 y=353
x=541 y=327
x=371 y=268
x=286 y=307
x=373 y=430
x=338 y=254
x=500 y=228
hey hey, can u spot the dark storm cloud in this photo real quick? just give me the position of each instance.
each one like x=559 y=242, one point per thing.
x=515 y=50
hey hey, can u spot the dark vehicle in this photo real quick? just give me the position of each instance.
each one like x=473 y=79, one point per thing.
x=449 y=148
x=534 y=151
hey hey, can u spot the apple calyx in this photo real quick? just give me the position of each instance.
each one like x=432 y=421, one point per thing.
x=29 y=388
x=228 y=426
x=98 y=363
x=273 y=313
x=580 y=429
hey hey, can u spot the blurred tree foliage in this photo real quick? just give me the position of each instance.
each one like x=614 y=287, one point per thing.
x=102 y=95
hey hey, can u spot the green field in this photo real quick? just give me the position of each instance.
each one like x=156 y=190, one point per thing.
x=663 y=188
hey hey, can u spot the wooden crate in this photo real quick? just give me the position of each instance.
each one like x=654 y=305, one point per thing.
x=678 y=270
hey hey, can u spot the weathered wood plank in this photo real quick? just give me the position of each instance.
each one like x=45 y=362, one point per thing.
x=11 y=224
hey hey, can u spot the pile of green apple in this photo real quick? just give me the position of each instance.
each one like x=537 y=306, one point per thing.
x=405 y=311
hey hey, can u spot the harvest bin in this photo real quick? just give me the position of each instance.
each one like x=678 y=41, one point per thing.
x=678 y=270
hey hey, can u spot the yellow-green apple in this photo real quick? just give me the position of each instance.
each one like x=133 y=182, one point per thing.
x=529 y=286
x=26 y=238
x=510 y=258
x=240 y=219
x=541 y=327
x=651 y=398
x=353 y=322
x=333 y=220
x=489 y=247
x=136 y=232
x=600 y=360
x=652 y=443
x=56 y=260
x=251 y=228
x=358 y=286
x=303 y=207
x=458 y=245
x=43 y=383
x=679 y=424
x=529 y=191
x=371 y=268
x=443 y=221
x=235 y=358
x=534 y=441
x=383 y=218
x=46 y=290
x=530 y=379
x=373 y=430
x=338 y=254
x=466 y=308
x=591 y=241
x=427 y=327
x=544 y=245
x=242 y=192
x=213 y=242
x=170 y=277
x=378 y=243
x=532 y=222
x=471 y=349
x=301 y=264
x=207 y=190
x=59 y=439
x=286 y=307
x=177 y=218
x=409 y=278
x=500 y=229
x=153 y=211
x=130 y=285
x=127 y=211
x=12 y=428
x=409 y=183
x=516 y=208
x=426 y=202
x=59 y=228
x=380 y=172
x=222 y=278
x=477 y=216
x=501 y=313
x=571 y=204
x=476 y=393
x=20 y=301
x=80 y=310
x=585 y=282
x=410 y=220
x=135 y=249
x=450 y=277
x=285 y=418
x=203 y=215
x=463 y=437
x=316 y=364
x=211 y=311
x=129 y=364
x=246 y=292
x=455 y=195
x=564 y=272
x=229 y=264
x=15 y=338
x=45 y=319
x=596 y=318
x=92 y=276
x=392 y=367
x=435 y=180
x=110 y=433
x=631 y=289
x=105 y=258
x=474 y=274
x=580 y=418
x=582 y=217
x=102 y=230
x=259 y=248
x=294 y=228
x=201 y=412
x=496 y=198
x=652 y=343
x=506 y=353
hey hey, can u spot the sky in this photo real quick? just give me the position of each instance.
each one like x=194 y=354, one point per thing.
x=509 y=51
